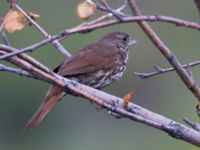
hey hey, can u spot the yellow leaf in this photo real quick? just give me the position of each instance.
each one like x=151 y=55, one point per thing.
x=127 y=98
x=13 y=21
x=86 y=9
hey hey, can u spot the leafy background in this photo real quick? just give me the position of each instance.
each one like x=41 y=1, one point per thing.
x=74 y=123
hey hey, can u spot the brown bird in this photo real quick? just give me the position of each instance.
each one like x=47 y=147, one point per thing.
x=96 y=65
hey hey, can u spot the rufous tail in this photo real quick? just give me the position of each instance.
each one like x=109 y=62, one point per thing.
x=53 y=95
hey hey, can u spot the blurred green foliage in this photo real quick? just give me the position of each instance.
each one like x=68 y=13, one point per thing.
x=74 y=123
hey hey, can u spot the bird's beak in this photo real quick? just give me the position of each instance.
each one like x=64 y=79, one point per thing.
x=131 y=42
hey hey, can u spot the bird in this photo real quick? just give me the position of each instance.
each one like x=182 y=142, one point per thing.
x=96 y=65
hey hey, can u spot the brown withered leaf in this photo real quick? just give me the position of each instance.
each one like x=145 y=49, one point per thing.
x=13 y=21
x=85 y=9
x=33 y=16
x=127 y=98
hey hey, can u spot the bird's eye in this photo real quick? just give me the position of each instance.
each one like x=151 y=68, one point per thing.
x=125 y=39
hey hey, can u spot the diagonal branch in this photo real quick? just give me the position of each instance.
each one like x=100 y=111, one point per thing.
x=159 y=70
x=183 y=74
x=5 y=38
x=194 y=125
x=115 y=13
x=55 y=43
x=95 y=25
x=112 y=103
x=15 y=70
x=109 y=15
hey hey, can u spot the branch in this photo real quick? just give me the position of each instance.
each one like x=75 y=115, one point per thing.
x=9 y=49
x=115 y=13
x=15 y=70
x=183 y=74
x=194 y=125
x=5 y=38
x=112 y=103
x=197 y=2
x=159 y=70
x=107 y=16
x=55 y=43
x=91 y=26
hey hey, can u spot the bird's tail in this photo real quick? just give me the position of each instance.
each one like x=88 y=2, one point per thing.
x=53 y=95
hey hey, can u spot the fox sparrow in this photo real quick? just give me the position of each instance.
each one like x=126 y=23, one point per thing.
x=97 y=65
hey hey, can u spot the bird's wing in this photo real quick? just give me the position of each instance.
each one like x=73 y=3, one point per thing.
x=90 y=59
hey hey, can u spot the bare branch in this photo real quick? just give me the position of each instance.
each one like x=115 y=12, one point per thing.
x=159 y=70
x=25 y=57
x=92 y=26
x=194 y=125
x=35 y=46
x=15 y=70
x=5 y=38
x=113 y=103
x=107 y=16
x=55 y=43
x=115 y=13
x=183 y=74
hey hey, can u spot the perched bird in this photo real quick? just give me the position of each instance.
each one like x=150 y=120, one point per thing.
x=97 y=65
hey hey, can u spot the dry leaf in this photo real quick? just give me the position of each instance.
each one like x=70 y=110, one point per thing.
x=127 y=98
x=13 y=21
x=33 y=15
x=86 y=9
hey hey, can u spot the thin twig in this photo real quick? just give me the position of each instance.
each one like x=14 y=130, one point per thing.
x=183 y=74
x=159 y=70
x=115 y=13
x=88 y=26
x=15 y=70
x=55 y=43
x=194 y=125
x=133 y=112
x=35 y=46
x=5 y=38
x=26 y=58
x=107 y=16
